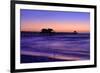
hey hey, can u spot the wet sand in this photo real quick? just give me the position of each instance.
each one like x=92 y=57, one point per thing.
x=34 y=59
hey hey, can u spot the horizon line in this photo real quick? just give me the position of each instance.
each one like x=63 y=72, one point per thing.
x=57 y=32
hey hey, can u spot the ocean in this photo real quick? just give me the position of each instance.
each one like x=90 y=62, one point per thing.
x=37 y=47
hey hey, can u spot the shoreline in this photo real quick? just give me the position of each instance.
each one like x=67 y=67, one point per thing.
x=37 y=59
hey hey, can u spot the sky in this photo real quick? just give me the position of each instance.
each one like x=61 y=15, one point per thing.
x=59 y=21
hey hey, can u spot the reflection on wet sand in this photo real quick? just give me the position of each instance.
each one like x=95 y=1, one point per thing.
x=56 y=56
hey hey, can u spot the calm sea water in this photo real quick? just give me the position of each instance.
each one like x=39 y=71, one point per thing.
x=65 y=47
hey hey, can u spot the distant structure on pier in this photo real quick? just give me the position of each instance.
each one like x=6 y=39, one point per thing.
x=49 y=30
x=75 y=32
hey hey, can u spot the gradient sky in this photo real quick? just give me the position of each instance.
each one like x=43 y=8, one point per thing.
x=59 y=21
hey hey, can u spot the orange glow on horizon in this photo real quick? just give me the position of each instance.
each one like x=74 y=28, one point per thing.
x=57 y=27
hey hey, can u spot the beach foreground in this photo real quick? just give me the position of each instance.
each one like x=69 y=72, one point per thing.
x=50 y=48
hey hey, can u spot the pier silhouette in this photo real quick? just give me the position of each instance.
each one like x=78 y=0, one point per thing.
x=51 y=31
